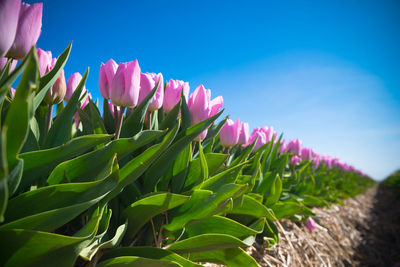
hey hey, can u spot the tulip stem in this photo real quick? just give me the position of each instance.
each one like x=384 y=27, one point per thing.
x=120 y=118
x=49 y=117
x=150 y=114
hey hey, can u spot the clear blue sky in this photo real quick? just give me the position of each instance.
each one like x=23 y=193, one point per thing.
x=327 y=72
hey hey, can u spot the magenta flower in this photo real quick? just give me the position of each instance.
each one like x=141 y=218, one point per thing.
x=12 y=92
x=28 y=30
x=258 y=135
x=106 y=75
x=306 y=154
x=282 y=147
x=44 y=60
x=317 y=161
x=295 y=160
x=57 y=92
x=243 y=134
x=294 y=146
x=72 y=83
x=3 y=62
x=125 y=85
x=310 y=224
x=147 y=82
x=172 y=93
x=9 y=15
x=229 y=134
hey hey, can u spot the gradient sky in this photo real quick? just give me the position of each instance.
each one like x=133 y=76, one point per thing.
x=325 y=72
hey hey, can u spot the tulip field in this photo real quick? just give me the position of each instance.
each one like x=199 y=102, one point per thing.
x=157 y=175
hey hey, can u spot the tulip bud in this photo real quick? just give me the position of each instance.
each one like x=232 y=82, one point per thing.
x=147 y=82
x=28 y=30
x=294 y=146
x=229 y=134
x=57 y=92
x=172 y=93
x=44 y=61
x=306 y=153
x=295 y=160
x=310 y=224
x=125 y=85
x=243 y=134
x=3 y=63
x=72 y=83
x=199 y=105
x=9 y=14
x=107 y=73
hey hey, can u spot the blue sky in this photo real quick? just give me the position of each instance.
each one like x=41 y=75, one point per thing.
x=327 y=72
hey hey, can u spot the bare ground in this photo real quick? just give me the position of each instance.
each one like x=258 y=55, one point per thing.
x=363 y=232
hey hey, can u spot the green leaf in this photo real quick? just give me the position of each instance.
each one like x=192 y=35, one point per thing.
x=203 y=164
x=14 y=177
x=186 y=117
x=286 y=209
x=3 y=174
x=34 y=248
x=8 y=80
x=206 y=242
x=220 y=225
x=150 y=253
x=273 y=190
x=109 y=121
x=202 y=204
x=47 y=81
x=88 y=166
x=141 y=211
x=50 y=207
x=136 y=261
x=171 y=118
x=134 y=123
x=232 y=257
x=247 y=205
x=180 y=169
x=91 y=119
x=39 y=164
x=60 y=131
x=161 y=165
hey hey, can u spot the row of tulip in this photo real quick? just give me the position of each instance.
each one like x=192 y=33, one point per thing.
x=153 y=179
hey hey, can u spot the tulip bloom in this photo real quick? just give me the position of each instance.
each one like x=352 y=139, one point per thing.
x=107 y=73
x=57 y=92
x=229 y=134
x=72 y=83
x=172 y=93
x=3 y=63
x=44 y=61
x=259 y=136
x=282 y=147
x=295 y=160
x=147 y=82
x=306 y=153
x=243 y=134
x=9 y=15
x=125 y=85
x=310 y=224
x=28 y=30
x=294 y=146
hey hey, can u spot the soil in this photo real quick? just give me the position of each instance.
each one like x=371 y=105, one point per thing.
x=365 y=231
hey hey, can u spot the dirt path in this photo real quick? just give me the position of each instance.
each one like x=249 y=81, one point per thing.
x=363 y=232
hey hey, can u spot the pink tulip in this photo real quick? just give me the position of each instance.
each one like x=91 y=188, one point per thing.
x=243 y=134
x=9 y=15
x=3 y=63
x=258 y=135
x=317 y=161
x=147 y=82
x=216 y=104
x=306 y=154
x=294 y=146
x=44 y=60
x=229 y=134
x=28 y=30
x=12 y=92
x=111 y=106
x=172 y=93
x=125 y=85
x=268 y=131
x=310 y=224
x=295 y=160
x=72 y=83
x=107 y=73
x=282 y=147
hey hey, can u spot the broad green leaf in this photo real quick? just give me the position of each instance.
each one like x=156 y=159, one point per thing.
x=39 y=164
x=180 y=169
x=232 y=257
x=91 y=119
x=47 y=81
x=286 y=209
x=34 y=248
x=88 y=166
x=150 y=253
x=206 y=242
x=219 y=225
x=141 y=211
x=273 y=190
x=214 y=131
x=3 y=174
x=249 y=206
x=133 y=124
x=171 y=118
x=203 y=164
x=108 y=118
x=60 y=131
x=186 y=117
x=6 y=70
x=8 y=80
x=160 y=166
x=14 y=177
x=272 y=233
x=133 y=261
x=202 y=204
x=3 y=93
